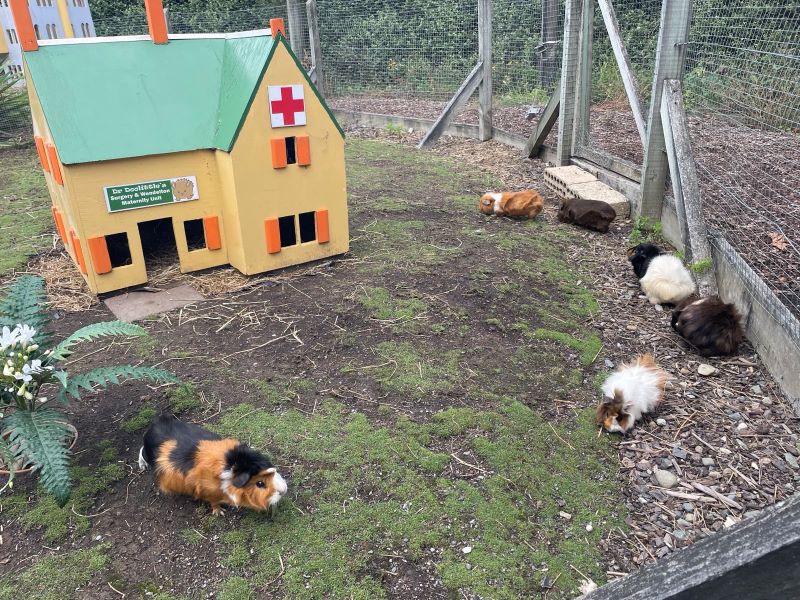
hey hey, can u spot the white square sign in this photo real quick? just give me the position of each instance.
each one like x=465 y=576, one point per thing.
x=287 y=105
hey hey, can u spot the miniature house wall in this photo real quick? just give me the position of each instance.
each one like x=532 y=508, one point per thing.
x=221 y=140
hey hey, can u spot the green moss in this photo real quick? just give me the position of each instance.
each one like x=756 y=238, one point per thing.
x=192 y=537
x=701 y=266
x=184 y=398
x=645 y=231
x=408 y=371
x=270 y=392
x=239 y=554
x=390 y=204
x=56 y=577
x=147 y=347
x=589 y=348
x=235 y=588
x=141 y=420
x=385 y=307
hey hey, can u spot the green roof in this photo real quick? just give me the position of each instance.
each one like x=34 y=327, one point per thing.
x=120 y=99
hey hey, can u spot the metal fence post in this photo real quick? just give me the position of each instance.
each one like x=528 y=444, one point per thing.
x=583 y=85
x=569 y=64
x=676 y=16
x=294 y=10
x=316 y=47
x=485 y=56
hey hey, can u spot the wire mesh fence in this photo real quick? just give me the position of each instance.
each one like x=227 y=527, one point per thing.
x=15 y=119
x=742 y=91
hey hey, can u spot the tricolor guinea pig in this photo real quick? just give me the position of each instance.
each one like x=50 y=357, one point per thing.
x=629 y=392
x=522 y=205
x=193 y=461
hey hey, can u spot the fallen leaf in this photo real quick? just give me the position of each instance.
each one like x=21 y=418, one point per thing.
x=778 y=241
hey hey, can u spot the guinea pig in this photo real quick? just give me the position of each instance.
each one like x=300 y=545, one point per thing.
x=629 y=392
x=711 y=326
x=193 y=461
x=592 y=214
x=523 y=205
x=663 y=277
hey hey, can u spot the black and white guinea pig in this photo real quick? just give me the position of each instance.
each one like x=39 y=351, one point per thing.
x=662 y=276
x=711 y=326
x=193 y=461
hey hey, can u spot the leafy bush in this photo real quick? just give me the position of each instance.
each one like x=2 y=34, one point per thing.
x=32 y=432
x=14 y=114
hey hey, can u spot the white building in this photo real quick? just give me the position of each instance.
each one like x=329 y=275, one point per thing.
x=51 y=19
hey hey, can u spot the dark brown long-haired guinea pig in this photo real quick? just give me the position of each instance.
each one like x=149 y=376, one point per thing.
x=193 y=461
x=591 y=214
x=522 y=205
x=711 y=326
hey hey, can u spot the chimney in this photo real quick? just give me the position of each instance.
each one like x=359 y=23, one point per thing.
x=156 y=21
x=24 y=25
x=277 y=26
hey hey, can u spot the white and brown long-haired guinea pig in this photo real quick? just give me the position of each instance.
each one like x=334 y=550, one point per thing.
x=629 y=392
x=521 y=205
x=711 y=326
x=193 y=461
x=663 y=277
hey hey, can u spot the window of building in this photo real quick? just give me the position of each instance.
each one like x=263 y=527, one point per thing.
x=36 y=31
x=288 y=233
x=308 y=228
x=195 y=234
x=118 y=250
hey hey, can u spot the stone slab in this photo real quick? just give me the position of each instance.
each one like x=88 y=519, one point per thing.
x=597 y=190
x=135 y=306
x=559 y=179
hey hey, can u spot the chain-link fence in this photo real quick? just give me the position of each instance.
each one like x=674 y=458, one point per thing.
x=15 y=117
x=742 y=91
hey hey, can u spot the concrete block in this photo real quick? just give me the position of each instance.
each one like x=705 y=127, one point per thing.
x=134 y=306
x=597 y=190
x=559 y=179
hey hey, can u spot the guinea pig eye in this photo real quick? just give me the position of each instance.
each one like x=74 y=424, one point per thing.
x=261 y=484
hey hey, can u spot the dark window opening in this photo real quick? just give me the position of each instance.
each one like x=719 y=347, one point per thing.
x=288 y=234
x=308 y=227
x=291 y=151
x=158 y=244
x=118 y=250
x=195 y=234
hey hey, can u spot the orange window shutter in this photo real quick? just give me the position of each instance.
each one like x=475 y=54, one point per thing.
x=60 y=225
x=303 y=150
x=52 y=156
x=273 y=231
x=211 y=230
x=98 y=249
x=42 y=153
x=76 y=245
x=323 y=232
x=278 y=153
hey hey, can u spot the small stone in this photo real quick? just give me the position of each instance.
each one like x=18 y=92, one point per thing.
x=688 y=507
x=547 y=582
x=466 y=549
x=735 y=416
x=659 y=308
x=679 y=452
x=684 y=524
x=766 y=400
x=756 y=389
x=661 y=422
x=565 y=515
x=715 y=474
x=666 y=479
x=706 y=370
x=468 y=566
x=589 y=527
x=609 y=364
x=684 y=371
x=741 y=426
x=708 y=461
x=689 y=517
x=791 y=460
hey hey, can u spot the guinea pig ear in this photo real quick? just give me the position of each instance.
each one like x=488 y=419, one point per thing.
x=270 y=471
x=241 y=479
x=631 y=251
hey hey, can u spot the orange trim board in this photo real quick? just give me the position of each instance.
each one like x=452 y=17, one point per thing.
x=302 y=148
x=278 y=153
x=273 y=232
x=24 y=25
x=156 y=22
x=52 y=156
x=211 y=231
x=98 y=249
x=76 y=245
x=60 y=225
x=277 y=26
x=42 y=153
x=323 y=230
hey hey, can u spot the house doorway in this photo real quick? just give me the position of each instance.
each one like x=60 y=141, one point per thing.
x=158 y=244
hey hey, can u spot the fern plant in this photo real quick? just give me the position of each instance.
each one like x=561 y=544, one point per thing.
x=32 y=431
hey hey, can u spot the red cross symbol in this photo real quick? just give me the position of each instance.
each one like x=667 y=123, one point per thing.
x=287 y=105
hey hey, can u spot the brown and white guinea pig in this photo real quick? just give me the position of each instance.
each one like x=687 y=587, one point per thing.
x=193 y=461
x=711 y=326
x=629 y=392
x=663 y=277
x=522 y=205
x=591 y=214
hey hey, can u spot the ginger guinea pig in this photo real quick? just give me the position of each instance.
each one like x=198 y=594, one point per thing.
x=193 y=461
x=522 y=205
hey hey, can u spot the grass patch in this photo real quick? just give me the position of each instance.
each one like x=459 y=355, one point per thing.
x=56 y=577
x=147 y=347
x=588 y=348
x=644 y=231
x=385 y=307
x=370 y=491
x=235 y=588
x=701 y=266
x=25 y=219
x=407 y=371
x=184 y=398
x=141 y=420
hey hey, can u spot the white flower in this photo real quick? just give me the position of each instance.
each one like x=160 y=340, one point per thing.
x=26 y=333
x=23 y=376
x=8 y=371
x=29 y=370
x=8 y=338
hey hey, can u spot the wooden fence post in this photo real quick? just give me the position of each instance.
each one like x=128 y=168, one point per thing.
x=294 y=10
x=569 y=65
x=316 y=47
x=670 y=58
x=583 y=85
x=485 y=56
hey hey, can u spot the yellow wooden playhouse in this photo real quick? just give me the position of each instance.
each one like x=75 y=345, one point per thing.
x=218 y=143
